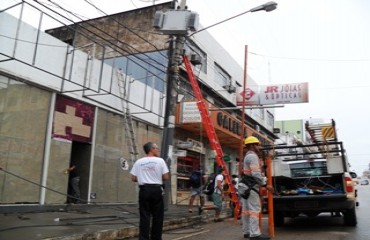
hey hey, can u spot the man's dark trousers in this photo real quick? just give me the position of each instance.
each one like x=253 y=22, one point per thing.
x=151 y=205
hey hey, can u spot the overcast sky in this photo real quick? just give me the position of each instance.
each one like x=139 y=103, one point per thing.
x=322 y=42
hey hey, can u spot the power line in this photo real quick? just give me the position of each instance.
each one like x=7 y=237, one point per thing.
x=312 y=59
x=133 y=3
x=119 y=24
x=95 y=35
x=39 y=185
x=152 y=74
x=104 y=39
x=104 y=32
x=32 y=42
x=129 y=29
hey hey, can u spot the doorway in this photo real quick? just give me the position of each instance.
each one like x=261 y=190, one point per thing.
x=80 y=158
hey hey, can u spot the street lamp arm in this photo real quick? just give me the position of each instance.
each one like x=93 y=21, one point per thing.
x=268 y=7
x=219 y=22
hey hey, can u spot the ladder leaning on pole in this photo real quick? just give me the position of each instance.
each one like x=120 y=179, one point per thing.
x=127 y=118
x=211 y=133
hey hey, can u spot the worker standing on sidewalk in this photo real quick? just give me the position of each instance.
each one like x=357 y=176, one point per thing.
x=150 y=172
x=251 y=202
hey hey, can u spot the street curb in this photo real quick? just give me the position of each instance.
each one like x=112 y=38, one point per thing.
x=133 y=231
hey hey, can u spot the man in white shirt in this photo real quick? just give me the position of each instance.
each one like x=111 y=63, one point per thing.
x=217 y=195
x=150 y=172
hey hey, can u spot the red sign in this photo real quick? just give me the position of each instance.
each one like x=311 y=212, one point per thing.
x=250 y=95
x=284 y=93
x=73 y=120
x=273 y=94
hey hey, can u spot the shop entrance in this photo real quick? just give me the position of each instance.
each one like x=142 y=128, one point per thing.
x=78 y=182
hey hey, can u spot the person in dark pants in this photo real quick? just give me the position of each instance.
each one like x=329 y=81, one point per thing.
x=150 y=172
x=196 y=189
x=74 y=185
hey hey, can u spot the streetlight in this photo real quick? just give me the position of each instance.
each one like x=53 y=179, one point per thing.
x=268 y=7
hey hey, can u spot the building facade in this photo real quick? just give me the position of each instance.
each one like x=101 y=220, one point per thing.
x=65 y=96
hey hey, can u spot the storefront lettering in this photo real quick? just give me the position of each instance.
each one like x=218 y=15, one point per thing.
x=284 y=88
x=229 y=124
x=283 y=92
x=234 y=126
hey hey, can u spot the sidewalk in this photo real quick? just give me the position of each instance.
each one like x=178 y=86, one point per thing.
x=82 y=222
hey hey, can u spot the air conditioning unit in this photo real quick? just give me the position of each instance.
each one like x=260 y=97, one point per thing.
x=195 y=59
x=230 y=88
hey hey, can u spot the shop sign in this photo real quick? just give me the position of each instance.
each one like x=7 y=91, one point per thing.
x=273 y=94
x=284 y=93
x=251 y=95
x=232 y=126
x=73 y=120
x=180 y=153
x=229 y=124
x=197 y=146
x=190 y=113
x=184 y=145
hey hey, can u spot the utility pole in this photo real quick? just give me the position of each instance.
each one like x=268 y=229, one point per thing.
x=176 y=24
x=170 y=112
x=242 y=136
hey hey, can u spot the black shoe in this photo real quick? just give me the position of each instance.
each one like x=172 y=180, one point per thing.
x=260 y=237
x=218 y=220
x=246 y=235
x=200 y=210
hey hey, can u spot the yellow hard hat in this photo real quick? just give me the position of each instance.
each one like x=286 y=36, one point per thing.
x=251 y=140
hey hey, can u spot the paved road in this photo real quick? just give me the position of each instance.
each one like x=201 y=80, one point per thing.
x=322 y=227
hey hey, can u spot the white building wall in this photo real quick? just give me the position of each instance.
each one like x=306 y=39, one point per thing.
x=48 y=61
x=217 y=54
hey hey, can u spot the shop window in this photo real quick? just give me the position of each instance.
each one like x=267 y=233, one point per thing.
x=185 y=166
x=148 y=68
x=191 y=47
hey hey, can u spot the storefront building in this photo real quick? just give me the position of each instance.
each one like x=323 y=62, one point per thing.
x=190 y=129
x=66 y=100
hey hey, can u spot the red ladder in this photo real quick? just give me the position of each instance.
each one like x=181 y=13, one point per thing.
x=211 y=133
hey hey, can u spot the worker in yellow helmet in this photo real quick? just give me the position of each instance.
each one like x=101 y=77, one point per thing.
x=252 y=180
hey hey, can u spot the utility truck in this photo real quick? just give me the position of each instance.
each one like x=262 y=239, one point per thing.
x=313 y=178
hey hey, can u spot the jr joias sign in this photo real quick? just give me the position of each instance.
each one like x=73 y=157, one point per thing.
x=273 y=94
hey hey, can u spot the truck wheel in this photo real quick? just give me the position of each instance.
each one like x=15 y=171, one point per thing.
x=350 y=218
x=278 y=219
